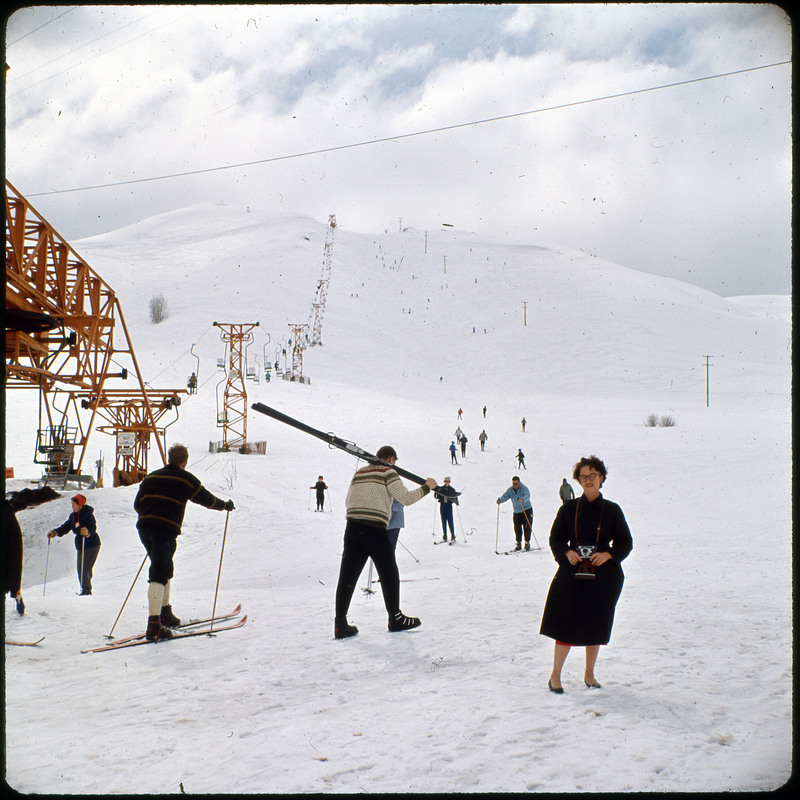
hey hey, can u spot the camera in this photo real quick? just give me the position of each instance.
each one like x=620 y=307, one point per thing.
x=585 y=569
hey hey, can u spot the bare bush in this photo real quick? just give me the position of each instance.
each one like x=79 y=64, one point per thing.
x=667 y=422
x=158 y=309
x=654 y=421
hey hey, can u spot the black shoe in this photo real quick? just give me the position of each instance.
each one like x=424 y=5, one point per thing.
x=400 y=622
x=594 y=685
x=85 y=593
x=518 y=547
x=20 y=604
x=343 y=630
x=168 y=619
x=156 y=631
x=527 y=545
x=552 y=688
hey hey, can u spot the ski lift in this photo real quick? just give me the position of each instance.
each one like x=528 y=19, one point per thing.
x=220 y=363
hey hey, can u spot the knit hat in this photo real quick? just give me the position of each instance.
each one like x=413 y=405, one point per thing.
x=447 y=480
x=80 y=500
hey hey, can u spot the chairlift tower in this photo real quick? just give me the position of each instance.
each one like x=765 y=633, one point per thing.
x=62 y=321
x=297 y=351
x=322 y=286
x=233 y=418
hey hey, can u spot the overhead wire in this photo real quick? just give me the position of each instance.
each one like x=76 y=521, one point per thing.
x=401 y=136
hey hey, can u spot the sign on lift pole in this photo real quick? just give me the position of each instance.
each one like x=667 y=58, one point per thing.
x=708 y=364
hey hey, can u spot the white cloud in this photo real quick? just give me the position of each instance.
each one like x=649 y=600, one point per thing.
x=694 y=174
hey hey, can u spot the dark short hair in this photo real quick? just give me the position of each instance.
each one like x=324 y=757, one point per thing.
x=592 y=461
x=178 y=454
x=515 y=478
x=386 y=452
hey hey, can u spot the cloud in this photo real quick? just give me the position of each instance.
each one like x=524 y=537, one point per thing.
x=691 y=181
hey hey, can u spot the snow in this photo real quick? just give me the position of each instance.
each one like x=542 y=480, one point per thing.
x=697 y=679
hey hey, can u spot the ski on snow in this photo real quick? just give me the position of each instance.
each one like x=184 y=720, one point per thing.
x=341 y=444
x=25 y=644
x=192 y=623
x=515 y=552
x=133 y=642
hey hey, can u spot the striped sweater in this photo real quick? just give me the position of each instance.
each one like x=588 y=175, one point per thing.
x=163 y=494
x=369 y=498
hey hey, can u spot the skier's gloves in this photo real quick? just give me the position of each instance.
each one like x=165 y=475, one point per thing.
x=229 y=506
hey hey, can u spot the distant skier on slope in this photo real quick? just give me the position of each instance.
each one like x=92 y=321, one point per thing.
x=447 y=495
x=520 y=496
x=320 y=486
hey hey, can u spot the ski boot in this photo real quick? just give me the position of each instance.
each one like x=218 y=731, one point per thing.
x=168 y=619
x=156 y=631
x=400 y=622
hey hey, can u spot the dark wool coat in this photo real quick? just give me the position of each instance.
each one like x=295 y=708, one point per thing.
x=13 y=549
x=82 y=518
x=581 y=612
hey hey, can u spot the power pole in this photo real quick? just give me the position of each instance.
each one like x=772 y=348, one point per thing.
x=525 y=313
x=708 y=364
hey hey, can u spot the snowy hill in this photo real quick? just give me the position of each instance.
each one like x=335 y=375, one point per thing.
x=697 y=678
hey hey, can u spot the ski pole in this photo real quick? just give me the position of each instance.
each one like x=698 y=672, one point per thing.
x=497 y=535
x=219 y=573
x=463 y=532
x=434 y=523
x=530 y=522
x=109 y=635
x=410 y=553
x=46 y=562
x=83 y=549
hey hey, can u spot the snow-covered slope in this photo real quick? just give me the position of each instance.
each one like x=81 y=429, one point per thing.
x=697 y=679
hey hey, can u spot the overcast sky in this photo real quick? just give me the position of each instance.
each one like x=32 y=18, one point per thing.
x=497 y=119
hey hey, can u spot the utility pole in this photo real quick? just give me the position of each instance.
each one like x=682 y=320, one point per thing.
x=525 y=313
x=708 y=364
x=444 y=260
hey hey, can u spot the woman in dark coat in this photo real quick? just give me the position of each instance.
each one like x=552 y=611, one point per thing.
x=579 y=610
x=81 y=522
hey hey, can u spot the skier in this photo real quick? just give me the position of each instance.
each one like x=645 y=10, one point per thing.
x=463 y=445
x=161 y=505
x=453 y=459
x=565 y=492
x=521 y=459
x=82 y=523
x=482 y=438
x=484 y=412
x=523 y=511
x=369 y=507
x=13 y=554
x=458 y=434
x=192 y=383
x=446 y=496
x=460 y=412
x=320 y=486
x=524 y=423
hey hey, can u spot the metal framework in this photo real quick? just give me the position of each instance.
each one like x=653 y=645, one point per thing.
x=233 y=419
x=61 y=321
x=322 y=286
x=297 y=350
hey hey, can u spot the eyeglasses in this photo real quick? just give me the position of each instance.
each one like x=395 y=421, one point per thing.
x=592 y=476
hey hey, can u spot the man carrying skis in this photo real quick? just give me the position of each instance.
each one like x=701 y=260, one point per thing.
x=161 y=504
x=523 y=511
x=369 y=507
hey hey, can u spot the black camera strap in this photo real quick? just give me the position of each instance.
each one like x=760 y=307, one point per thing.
x=599 y=523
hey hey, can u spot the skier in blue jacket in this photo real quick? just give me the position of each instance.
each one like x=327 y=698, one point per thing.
x=520 y=496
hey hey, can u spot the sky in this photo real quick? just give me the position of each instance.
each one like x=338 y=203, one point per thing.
x=657 y=136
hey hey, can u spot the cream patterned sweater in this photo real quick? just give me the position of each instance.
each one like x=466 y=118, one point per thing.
x=371 y=492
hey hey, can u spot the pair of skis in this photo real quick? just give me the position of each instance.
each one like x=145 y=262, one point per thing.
x=341 y=444
x=516 y=552
x=25 y=644
x=201 y=627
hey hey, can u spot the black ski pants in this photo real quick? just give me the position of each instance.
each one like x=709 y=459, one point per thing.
x=522 y=525
x=363 y=541
x=160 y=545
